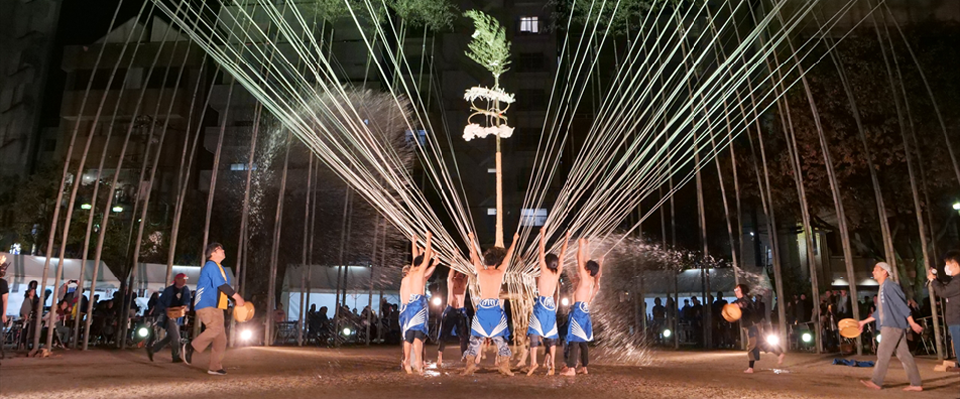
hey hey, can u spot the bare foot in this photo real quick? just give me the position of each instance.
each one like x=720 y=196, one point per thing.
x=583 y=370
x=408 y=369
x=533 y=367
x=550 y=371
x=567 y=371
x=748 y=370
x=913 y=388
x=870 y=384
x=780 y=358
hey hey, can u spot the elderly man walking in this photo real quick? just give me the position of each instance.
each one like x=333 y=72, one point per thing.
x=893 y=318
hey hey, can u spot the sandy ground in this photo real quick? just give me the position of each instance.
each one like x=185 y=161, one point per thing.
x=287 y=372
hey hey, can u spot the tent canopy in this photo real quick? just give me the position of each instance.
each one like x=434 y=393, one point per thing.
x=323 y=278
x=24 y=268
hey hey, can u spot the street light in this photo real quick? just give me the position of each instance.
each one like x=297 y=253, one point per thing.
x=956 y=206
x=118 y=209
x=86 y=207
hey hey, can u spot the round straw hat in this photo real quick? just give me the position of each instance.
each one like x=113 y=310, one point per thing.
x=243 y=313
x=731 y=312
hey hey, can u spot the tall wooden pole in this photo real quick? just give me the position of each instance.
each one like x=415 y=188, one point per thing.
x=275 y=254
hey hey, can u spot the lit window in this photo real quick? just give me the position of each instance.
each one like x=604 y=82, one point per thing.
x=491 y=170
x=533 y=217
x=530 y=24
x=491 y=211
x=241 y=166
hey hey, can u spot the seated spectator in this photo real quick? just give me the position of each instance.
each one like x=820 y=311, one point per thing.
x=279 y=315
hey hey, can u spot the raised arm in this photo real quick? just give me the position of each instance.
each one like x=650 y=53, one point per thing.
x=509 y=258
x=415 y=250
x=563 y=253
x=450 y=283
x=582 y=253
x=433 y=266
x=940 y=288
x=542 y=250
x=474 y=258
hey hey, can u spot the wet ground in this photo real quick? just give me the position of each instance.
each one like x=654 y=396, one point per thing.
x=287 y=372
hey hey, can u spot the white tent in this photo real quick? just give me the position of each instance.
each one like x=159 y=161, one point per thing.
x=26 y=268
x=323 y=286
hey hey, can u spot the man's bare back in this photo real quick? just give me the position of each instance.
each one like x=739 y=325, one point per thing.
x=416 y=280
x=456 y=289
x=549 y=279
x=405 y=287
x=589 y=285
x=490 y=277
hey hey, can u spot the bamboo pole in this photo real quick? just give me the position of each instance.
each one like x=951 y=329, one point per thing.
x=306 y=226
x=213 y=189
x=343 y=240
x=704 y=274
x=275 y=253
x=244 y=212
x=767 y=201
x=373 y=261
x=183 y=174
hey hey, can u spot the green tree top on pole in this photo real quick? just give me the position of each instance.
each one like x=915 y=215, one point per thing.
x=489 y=46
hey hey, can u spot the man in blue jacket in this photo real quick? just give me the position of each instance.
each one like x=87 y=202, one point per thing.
x=893 y=318
x=177 y=295
x=211 y=299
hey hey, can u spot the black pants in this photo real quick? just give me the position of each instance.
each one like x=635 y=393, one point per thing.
x=172 y=337
x=454 y=319
x=573 y=349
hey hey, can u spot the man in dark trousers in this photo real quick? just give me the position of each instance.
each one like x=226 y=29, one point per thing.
x=175 y=298
x=752 y=320
x=893 y=318
x=950 y=292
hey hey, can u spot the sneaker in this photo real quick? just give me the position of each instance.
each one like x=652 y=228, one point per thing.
x=187 y=353
x=150 y=352
x=217 y=372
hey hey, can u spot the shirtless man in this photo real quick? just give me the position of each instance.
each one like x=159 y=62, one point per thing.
x=414 y=313
x=490 y=321
x=580 y=329
x=455 y=315
x=543 y=321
